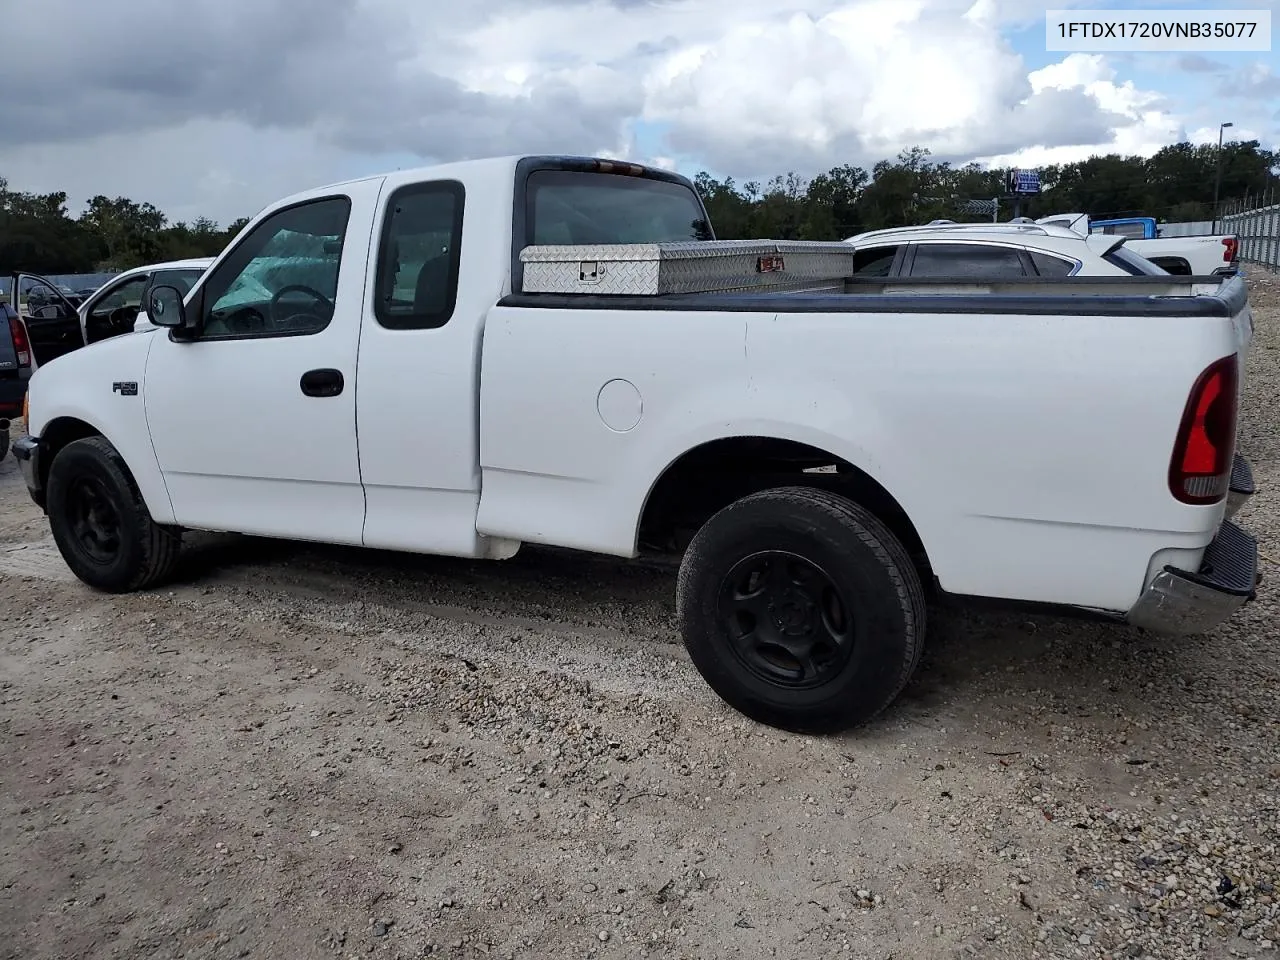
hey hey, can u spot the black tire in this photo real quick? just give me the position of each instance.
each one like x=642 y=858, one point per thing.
x=100 y=523
x=864 y=625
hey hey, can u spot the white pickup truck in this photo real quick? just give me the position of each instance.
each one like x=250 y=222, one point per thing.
x=463 y=359
x=1200 y=255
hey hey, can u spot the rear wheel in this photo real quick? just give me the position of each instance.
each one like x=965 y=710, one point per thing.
x=100 y=523
x=801 y=610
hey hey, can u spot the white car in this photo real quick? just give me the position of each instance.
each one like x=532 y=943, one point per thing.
x=1200 y=255
x=993 y=251
x=464 y=359
x=1011 y=255
x=60 y=326
x=118 y=306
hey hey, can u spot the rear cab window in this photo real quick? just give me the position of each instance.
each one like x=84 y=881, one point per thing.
x=588 y=207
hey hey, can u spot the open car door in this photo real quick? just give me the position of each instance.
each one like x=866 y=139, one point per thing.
x=53 y=322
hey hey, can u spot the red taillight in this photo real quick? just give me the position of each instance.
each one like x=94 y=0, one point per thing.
x=1200 y=470
x=18 y=331
x=1229 y=249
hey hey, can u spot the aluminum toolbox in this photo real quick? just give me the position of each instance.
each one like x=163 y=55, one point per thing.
x=689 y=266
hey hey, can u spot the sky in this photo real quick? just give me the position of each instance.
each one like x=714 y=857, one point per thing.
x=217 y=107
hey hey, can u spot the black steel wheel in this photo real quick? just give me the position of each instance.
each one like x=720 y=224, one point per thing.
x=101 y=524
x=801 y=609
x=789 y=623
x=95 y=520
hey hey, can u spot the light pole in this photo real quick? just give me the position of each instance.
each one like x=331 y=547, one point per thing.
x=1217 y=177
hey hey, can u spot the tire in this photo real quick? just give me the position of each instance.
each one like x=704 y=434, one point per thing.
x=863 y=625
x=101 y=525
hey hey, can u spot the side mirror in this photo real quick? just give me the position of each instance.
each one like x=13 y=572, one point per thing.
x=166 y=309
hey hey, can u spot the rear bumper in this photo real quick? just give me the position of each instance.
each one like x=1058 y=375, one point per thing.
x=1183 y=602
x=1186 y=602
x=1241 y=487
x=12 y=390
x=26 y=450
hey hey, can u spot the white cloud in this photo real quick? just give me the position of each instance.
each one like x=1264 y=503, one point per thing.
x=1148 y=123
x=266 y=100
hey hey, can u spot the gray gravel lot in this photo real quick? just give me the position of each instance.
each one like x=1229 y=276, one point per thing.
x=302 y=752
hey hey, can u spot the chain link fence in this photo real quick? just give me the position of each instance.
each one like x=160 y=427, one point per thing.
x=1257 y=229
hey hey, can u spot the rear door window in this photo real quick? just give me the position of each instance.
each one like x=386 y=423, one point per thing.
x=969 y=261
x=874 y=261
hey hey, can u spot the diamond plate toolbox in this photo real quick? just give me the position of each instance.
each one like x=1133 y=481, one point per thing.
x=690 y=266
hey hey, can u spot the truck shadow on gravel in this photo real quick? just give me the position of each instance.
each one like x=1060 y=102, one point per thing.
x=980 y=667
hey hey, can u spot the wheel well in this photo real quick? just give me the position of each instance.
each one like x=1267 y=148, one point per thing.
x=711 y=476
x=57 y=434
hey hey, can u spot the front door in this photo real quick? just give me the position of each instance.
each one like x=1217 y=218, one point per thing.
x=53 y=323
x=253 y=420
x=112 y=310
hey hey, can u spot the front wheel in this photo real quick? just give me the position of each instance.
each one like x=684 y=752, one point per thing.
x=100 y=523
x=801 y=610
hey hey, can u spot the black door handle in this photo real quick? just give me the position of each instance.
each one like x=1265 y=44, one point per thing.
x=322 y=383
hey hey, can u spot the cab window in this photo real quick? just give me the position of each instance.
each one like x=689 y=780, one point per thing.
x=418 y=256
x=282 y=279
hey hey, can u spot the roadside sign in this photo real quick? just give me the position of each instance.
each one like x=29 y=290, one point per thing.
x=1024 y=181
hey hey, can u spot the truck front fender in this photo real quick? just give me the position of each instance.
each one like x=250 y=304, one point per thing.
x=98 y=390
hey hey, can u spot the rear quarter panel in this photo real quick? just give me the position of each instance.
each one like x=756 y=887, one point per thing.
x=1030 y=452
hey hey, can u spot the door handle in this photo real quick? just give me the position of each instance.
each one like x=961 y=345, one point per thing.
x=325 y=382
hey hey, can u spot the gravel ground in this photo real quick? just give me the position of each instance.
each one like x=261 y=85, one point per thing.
x=303 y=752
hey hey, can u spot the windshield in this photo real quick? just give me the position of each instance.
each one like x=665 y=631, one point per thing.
x=1130 y=262
x=574 y=207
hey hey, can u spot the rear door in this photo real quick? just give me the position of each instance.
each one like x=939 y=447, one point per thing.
x=53 y=323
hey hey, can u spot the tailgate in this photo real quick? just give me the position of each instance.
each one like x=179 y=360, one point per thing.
x=1242 y=319
x=8 y=355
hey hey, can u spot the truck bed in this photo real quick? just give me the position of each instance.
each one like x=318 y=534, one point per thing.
x=1080 y=296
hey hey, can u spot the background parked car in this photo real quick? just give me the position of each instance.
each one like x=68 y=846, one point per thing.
x=117 y=306
x=59 y=323
x=16 y=367
x=1202 y=255
x=995 y=251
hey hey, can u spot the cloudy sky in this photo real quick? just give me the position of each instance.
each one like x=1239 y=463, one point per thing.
x=216 y=107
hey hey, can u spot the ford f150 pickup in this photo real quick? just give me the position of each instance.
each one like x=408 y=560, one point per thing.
x=466 y=358
x=1200 y=255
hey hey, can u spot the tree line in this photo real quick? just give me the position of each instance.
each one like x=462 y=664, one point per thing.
x=38 y=234
x=1175 y=184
